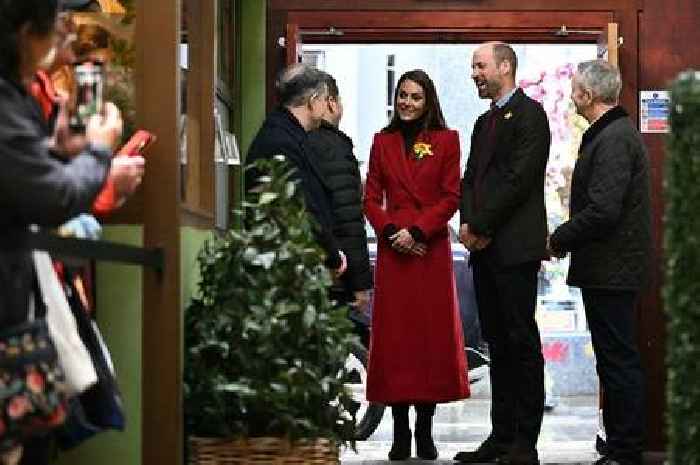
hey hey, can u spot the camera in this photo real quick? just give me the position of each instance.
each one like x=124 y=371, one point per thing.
x=89 y=92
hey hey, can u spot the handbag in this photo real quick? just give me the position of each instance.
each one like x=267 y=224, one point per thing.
x=100 y=407
x=32 y=387
x=73 y=357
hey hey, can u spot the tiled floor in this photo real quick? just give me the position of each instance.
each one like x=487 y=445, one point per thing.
x=567 y=435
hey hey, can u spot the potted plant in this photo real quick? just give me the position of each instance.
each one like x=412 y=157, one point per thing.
x=265 y=348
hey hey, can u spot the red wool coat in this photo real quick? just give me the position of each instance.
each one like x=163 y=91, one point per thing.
x=417 y=347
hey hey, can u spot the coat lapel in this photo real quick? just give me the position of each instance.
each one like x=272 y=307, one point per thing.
x=404 y=170
x=502 y=118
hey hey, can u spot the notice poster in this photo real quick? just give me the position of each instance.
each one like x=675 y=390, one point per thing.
x=654 y=111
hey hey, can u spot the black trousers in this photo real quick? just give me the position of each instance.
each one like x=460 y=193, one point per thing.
x=343 y=297
x=507 y=298
x=612 y=322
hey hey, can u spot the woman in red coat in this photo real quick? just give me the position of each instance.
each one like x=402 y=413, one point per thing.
x=417 y=350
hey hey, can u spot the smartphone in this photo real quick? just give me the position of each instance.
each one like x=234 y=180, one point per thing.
x=89 y=92
x=106 y=202
x=137 y=144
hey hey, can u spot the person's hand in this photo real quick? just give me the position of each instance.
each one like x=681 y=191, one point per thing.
x=361 y=302
x=471 y=241
x=66 y=144
x=338 y=272
x=554 y=253
x=466 y=237
x=419 y=249
x=105 y=130
x=402 y=241
x=481 y=242
x=126 y=173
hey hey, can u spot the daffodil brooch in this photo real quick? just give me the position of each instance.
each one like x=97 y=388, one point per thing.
x=422 y=150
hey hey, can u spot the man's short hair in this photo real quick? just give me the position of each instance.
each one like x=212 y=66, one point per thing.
x=298 y=83
x=331 y=85
x=504 y=52
x=601 y=78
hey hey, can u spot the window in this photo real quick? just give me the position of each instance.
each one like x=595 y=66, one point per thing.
x=208 y=77
x=315 y=58
x=390 y=85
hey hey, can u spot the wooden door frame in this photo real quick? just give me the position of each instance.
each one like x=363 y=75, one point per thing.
x=157 y=100
x=422 y=15
x=451 y=16
x=466 y=26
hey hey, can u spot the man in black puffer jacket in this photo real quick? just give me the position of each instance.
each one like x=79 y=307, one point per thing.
x=609 y=237
x=331 y=151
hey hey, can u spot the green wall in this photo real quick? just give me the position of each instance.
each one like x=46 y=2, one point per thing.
x=252 y=69
x=119 y=315
x=191 y=241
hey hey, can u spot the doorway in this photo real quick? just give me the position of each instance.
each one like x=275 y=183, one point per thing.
x=367 y=76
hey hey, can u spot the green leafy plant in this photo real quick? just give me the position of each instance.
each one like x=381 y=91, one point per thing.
x=265 y=348
x=682 y=261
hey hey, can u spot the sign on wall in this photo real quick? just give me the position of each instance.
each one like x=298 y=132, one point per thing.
x=654 y=111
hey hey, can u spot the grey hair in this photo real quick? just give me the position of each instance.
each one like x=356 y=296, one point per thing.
x=602 y=79
x=298 y=83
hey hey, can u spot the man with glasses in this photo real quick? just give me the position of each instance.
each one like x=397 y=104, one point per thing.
x=303 y=97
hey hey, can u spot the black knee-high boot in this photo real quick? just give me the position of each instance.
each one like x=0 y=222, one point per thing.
x=425 y=447
x=401 y=447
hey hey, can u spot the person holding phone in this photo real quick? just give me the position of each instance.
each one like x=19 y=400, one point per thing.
x=126 y=172
x=35 y=186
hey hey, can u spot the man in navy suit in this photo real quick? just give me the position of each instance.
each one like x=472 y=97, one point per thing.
x=504 y=225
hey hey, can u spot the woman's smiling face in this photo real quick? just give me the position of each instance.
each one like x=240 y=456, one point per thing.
x=410 y=101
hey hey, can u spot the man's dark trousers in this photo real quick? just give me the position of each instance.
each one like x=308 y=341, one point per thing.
x=507 y=298
x=611 y=320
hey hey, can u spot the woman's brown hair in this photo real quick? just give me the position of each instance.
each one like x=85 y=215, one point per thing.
x=432 y=118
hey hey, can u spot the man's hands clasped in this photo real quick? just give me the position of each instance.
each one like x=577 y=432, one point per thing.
x=473 y=242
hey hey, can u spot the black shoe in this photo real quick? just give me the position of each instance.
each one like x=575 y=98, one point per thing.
x=401 y=447
x=606 y=461
x=520 y=456
x=489 y=451
x=629 y=459
x=425 y=447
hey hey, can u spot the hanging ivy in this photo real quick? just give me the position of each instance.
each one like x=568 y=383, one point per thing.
x=682 y=256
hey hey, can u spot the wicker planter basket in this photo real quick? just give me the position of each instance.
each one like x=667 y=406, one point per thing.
x=259 y=451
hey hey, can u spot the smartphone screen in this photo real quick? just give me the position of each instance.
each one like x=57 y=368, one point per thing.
x=89 y=91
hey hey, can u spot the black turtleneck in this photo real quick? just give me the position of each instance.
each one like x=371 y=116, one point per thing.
x=410 y=130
